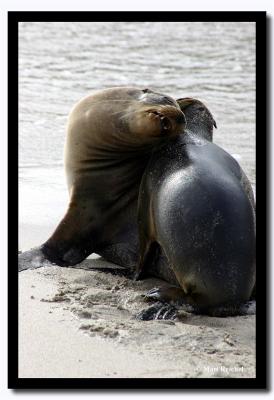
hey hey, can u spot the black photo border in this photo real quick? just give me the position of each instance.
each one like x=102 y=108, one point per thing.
x=262 y=146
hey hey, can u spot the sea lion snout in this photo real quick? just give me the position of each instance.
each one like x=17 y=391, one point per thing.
x=165 y=123
x=168 y=120
x=171 y=125
x=173 y=120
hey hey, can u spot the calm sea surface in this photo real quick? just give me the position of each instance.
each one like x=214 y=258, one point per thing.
x=61 y=62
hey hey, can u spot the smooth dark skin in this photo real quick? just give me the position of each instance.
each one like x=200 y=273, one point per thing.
x=196 y=208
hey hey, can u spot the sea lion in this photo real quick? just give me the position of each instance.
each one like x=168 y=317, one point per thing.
x=196 y=207
x=126 y=250
x=110 y=136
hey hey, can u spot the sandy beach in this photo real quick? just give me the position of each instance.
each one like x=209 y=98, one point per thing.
x=81 y=322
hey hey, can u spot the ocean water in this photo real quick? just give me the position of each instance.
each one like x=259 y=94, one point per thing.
x=60 y=62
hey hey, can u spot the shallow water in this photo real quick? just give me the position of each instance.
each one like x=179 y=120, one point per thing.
x=61 y=62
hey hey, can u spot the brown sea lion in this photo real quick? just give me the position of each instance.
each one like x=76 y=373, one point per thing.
x=110 y=137
x=196 y=209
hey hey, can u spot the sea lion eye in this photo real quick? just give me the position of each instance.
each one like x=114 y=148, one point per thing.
x=201 y=108
x=146 y=90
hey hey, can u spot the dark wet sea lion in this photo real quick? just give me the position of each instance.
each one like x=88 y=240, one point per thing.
x=110 y=137
x=196 y=207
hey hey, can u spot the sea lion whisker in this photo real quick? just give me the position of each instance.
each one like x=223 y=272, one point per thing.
x=128 y=114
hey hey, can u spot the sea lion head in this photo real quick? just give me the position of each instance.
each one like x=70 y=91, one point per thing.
x=198 y=117
x=158 y=116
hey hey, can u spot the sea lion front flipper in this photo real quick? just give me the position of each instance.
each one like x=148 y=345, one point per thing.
x=157 y=311
x=32 y=259
x=73 y=240
x=162 y=309
x=166 y=294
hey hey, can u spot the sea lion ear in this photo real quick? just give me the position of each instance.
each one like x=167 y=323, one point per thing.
x=214 y=123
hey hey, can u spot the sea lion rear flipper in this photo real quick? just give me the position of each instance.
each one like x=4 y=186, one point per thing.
x=74 y=239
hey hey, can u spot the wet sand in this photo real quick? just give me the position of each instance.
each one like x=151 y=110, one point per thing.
x=80 y=322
